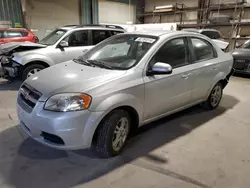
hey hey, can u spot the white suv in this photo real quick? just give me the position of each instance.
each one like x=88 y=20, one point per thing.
x=63 y=44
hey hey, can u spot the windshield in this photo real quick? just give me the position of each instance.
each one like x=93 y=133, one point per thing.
x=120 y=52
x=53 y=37
x=246 y=44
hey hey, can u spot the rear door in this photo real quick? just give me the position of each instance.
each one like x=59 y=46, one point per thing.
x=205 y=67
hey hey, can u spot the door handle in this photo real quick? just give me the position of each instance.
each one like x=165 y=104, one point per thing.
x=185 y=76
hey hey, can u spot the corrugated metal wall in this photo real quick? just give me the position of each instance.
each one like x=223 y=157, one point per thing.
x=10 y=11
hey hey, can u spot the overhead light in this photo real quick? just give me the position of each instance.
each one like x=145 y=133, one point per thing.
x=164 y=7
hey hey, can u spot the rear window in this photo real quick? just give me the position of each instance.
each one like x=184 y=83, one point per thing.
x=212 y=34
x=13 y=34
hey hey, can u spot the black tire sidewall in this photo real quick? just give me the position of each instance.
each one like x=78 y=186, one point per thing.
x=28 y=69
x=108 y=127
x=209 y=98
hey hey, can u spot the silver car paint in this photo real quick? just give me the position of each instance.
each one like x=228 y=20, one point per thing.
x=151 y=97
x=52 y=54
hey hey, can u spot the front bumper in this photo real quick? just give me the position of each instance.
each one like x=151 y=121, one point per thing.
x=242 y=66
x=60 y=130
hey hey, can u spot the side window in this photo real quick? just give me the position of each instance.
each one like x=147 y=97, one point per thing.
x=99 y=36
x=173 y=52
x=116 y=32
x=78 y=38
x=13 y=34
x=24 y=33
x=212 y=34
x=203 y=50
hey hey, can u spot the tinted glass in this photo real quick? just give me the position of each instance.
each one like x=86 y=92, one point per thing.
x=53 y=37
x=116 y=32
x=1 y=34
x=13 y=34
x=121 y=51
x=246 y=44
x=78 y=38
x=203 y=50
x=174 y=52
x=212 y=34
x=24 y=33
x=99 y=35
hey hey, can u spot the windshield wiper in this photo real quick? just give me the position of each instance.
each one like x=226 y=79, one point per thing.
x=100 y=64
x=82 y=61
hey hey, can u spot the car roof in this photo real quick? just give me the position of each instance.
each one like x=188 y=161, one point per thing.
x=161 y=33
x=13 y=29
x=93 y=26
x=200 y=30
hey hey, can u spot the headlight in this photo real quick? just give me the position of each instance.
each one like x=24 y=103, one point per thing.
x=66 y=102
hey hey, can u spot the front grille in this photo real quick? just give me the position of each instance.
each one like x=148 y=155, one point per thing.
x=241 y=64
x=29 y=96
x=52 y=138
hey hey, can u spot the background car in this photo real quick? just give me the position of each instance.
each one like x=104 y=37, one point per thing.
x=63 y=44
x=119 y=85
x=242 y=58
x=16 y=35
x=211 y=33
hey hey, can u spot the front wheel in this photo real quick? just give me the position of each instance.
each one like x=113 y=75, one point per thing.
x=215 y=97
x=30 y=70
x=112 y=133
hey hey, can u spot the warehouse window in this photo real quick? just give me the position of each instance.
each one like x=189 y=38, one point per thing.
x=203 y=50
x=99 y=35
x=174 y=52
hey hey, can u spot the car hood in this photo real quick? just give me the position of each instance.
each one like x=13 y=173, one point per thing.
x=19 y=46
x=241 y=53
x=70 y=77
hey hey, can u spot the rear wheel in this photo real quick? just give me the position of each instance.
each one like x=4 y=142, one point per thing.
x=215 y=97
x=112 y=133
x=30 y=70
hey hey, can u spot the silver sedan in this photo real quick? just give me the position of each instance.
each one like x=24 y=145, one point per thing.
x=121 y=84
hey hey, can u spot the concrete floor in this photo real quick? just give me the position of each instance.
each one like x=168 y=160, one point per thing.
x=192 y=149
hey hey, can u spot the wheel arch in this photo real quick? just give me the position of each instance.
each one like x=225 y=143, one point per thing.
x=46 y=65
x=134 y=115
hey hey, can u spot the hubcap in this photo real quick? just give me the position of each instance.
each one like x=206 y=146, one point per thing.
x=33 y=71
x=120 y=134
x=216 y=96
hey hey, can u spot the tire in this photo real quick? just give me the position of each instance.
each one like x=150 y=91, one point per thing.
x=31 y=68
x=105 y=135
x=209 y=104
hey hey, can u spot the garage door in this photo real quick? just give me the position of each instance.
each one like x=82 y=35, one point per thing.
x=42 y=16
x=117 y=13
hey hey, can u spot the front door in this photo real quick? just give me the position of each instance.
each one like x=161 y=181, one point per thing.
x=79 y=43
x=165 y=93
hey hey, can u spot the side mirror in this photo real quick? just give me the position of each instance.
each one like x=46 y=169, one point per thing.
x=63 y=44
x=160 y=68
